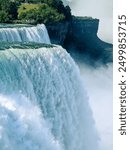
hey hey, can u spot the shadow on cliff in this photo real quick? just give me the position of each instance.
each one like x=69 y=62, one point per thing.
x=79 y=38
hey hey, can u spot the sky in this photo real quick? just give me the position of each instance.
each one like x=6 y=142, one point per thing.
x=99 y=94
x=101 y=9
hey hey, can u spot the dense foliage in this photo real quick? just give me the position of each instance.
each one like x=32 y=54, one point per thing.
x=35 y=11
x=41 y=13
x=8 y=10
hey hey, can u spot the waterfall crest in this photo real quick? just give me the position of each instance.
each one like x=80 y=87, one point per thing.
x=37 y=34
x=43 y=104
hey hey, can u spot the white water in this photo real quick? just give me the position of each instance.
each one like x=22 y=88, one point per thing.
x=43 y=104
x=37 y=34
x=22 y=126
x=99 y=86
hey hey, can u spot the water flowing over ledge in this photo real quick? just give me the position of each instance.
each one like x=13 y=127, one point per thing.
x=43 y=104
x=37 y=34
x=18 y=45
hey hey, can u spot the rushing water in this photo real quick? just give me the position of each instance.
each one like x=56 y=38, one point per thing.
x=43 y=104
x=24 y=34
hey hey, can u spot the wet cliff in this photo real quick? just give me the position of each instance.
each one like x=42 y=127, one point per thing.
x=80 y=36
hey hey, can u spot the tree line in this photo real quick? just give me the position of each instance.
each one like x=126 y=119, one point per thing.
x=38 y=11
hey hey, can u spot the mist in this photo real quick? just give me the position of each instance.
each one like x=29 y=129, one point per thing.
x=98 y=80
x=101 y=9
x=98 y=83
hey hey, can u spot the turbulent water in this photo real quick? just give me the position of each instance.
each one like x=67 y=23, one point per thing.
x=43 y=104
x=24 y=34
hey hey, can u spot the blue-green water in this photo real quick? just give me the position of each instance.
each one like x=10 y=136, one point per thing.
x=22 y=34
x=43 y=103
x=4 y=25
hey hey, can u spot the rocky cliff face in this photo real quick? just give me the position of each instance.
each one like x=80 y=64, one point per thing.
x=58 y=32
x=80 y=35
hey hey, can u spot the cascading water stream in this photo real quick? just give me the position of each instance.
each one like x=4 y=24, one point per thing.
x=43 y=104
x=25 y=34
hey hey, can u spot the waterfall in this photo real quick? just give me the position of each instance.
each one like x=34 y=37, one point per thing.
x=37 y=34
x=43 y=104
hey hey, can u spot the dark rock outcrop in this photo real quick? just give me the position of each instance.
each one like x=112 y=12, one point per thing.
x=80 y=35
x=58 y=32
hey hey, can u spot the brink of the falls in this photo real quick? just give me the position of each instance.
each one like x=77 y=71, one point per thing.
x=36 y=34
x=43 y=103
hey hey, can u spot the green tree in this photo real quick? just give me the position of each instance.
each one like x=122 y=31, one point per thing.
x=39 y=10
x=9 y=7
x=4 y=17
x=44 y=14
x=12 y=10
x=58 y=4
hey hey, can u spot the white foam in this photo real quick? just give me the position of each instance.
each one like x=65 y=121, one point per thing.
x=50 y=83
x=37 y=34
